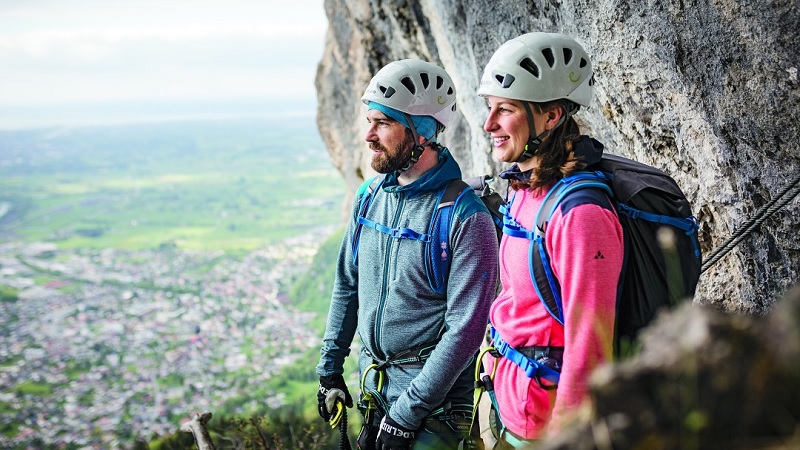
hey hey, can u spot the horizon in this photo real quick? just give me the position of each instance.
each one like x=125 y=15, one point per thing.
x=79 y=115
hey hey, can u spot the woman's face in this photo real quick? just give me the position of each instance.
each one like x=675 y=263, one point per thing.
x=508 y=127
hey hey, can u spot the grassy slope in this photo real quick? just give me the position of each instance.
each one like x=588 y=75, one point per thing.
x=224 y=186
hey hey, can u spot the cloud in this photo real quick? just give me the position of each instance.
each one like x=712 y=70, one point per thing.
x=97 y=51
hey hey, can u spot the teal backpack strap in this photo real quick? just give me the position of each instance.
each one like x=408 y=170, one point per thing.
x=438 y=253
x=365 y=191
x=544 y=281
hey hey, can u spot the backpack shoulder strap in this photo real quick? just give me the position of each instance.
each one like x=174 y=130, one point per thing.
x=365 y=191
x=492 y=200
x=544 y=281
x=437 y=249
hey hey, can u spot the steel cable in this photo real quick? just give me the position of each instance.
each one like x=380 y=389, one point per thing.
x=778 y=202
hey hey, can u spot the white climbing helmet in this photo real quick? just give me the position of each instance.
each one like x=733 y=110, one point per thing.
x=539 y=67
x=414 y=87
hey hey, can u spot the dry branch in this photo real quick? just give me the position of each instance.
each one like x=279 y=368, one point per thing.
x=197 y=426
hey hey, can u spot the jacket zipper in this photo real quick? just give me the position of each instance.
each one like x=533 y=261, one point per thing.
x=385 y=281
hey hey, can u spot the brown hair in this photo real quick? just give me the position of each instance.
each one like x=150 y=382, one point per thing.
x=556 y=155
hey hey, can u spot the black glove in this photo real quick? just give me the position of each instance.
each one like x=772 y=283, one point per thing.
x=332 y=386
x=392 y=436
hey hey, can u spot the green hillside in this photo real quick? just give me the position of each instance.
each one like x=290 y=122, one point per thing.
x=214 y=185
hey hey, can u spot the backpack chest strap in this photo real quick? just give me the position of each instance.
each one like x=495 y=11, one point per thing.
x=397 y=233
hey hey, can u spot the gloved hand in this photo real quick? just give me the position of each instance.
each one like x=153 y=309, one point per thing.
x=331 y=393
x=392 y=436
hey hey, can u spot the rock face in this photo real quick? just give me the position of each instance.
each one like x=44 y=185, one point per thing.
x=707 y=91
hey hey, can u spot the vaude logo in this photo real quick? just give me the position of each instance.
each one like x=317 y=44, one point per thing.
x=397 y=432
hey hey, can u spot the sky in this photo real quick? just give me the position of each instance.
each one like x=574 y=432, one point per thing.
x=85 y=61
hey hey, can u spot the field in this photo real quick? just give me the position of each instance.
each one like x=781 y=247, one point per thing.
x=213 y=185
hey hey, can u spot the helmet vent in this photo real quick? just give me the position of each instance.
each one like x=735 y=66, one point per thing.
x=583 y=63
x=591 y=80
x=450 y=91
x=530 y=66
x=439 y=82
x=387 y=92
x=567 y=56
x=505 y=81
x=548 y=55
x=425 y=80
x=409 y=85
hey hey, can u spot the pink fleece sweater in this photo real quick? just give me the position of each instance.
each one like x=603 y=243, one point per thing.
x=585 y=244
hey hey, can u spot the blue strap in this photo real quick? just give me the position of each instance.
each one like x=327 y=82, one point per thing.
x=683 y=224
x=436 y=240
x=512 y=228
x=363 y=206
x=531 y=368
x=510 y=225
x=688 y=225
x=397 y=233
x=437 y=250
x=538 y=244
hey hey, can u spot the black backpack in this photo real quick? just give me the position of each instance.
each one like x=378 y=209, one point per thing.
x=647 y=200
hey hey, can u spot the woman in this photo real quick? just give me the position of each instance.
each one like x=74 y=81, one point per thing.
x=533 y=85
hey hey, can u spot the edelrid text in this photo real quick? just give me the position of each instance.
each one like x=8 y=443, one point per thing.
x=397 y=432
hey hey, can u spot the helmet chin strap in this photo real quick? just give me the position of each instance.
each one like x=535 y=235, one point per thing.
x=532 y=146
x=417 y=149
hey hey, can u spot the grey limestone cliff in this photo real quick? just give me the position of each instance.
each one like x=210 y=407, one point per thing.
x=707 y=91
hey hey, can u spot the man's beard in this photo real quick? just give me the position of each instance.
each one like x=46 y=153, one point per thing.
x=389 y=161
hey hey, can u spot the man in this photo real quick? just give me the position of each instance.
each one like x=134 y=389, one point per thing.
x=419 y=342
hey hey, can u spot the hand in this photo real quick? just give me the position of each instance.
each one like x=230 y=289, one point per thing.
x=392 y=436
x=332 y=391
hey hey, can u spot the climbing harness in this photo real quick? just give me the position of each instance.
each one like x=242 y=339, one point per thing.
x=778 y=202
x=483 y=384
x=486 y=384
x=372 y=404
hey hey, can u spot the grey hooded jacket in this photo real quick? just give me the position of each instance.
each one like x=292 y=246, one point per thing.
x=387 y=298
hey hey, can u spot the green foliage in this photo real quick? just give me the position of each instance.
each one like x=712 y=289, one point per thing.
x=31 y=388
x=275 y=431
x=8 y=294
x=312 y=291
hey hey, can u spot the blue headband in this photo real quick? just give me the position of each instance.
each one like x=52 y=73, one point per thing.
x=425 y=125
